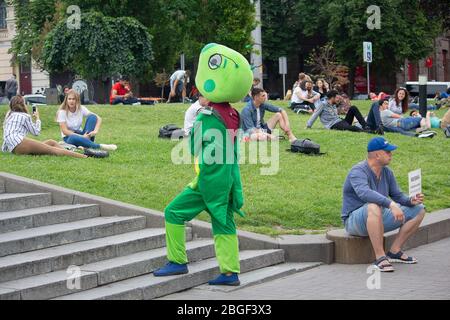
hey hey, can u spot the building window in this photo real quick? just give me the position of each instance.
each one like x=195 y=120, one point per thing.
x=3 y=24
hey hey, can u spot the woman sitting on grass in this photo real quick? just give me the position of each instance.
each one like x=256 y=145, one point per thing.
x=18 y=123
x=70 y=118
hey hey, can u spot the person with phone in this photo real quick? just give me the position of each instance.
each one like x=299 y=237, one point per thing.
x=18 y=123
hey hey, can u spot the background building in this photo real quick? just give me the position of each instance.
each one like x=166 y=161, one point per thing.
x=30 y=78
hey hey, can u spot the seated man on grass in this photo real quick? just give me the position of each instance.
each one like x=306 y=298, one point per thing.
x=304 y=98
x=329 y=117
x=374 y=204
x=253 y=118
x=121 y=93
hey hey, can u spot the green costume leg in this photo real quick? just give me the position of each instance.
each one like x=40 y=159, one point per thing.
x=226 y=244
x=185 y=207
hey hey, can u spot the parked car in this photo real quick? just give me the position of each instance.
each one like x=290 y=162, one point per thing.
x=36 y=99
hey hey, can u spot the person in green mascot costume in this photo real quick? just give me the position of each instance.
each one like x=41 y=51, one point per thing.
x=223 y=76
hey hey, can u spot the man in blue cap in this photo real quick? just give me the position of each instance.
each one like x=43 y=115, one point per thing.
x=373 y=204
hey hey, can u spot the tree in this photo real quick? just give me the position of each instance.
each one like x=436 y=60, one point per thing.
x=437 y=10
x=405 y=33
x=323 y=61
x=103 y=46
x=177 y=26
x=33 y=19
x=280 y=28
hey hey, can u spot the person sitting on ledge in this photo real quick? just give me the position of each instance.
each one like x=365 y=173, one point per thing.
x=374 y=204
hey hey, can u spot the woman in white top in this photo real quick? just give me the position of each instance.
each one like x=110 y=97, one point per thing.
x=70 y=118
x=399 y=104
x=18 y=123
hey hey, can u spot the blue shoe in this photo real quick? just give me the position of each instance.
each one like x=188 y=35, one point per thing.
x=224 y=280
x=171 y=269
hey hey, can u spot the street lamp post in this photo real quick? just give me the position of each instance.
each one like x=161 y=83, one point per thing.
x=423 y=79
x=256 y=55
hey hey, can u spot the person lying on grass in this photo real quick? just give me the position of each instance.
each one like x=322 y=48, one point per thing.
x=394 y=120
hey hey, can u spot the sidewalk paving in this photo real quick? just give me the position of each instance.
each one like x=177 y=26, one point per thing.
x=429 y=279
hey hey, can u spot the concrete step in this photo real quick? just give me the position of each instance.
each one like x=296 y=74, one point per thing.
x=50 y=236
x=263 y=275
x=45 y=216
x=42 y=261
x=19 y=201
x=148 y=287
x=55 y=284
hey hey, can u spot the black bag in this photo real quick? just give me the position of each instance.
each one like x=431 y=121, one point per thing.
x=305 y=146
x=171 y=131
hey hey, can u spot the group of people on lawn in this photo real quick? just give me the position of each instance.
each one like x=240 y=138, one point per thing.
x=372 y=201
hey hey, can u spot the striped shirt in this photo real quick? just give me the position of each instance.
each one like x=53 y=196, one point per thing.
x=15 y=128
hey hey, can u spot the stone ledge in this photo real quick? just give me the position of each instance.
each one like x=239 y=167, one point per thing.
x=327 y=248
x=358 y=250
x=308 y=248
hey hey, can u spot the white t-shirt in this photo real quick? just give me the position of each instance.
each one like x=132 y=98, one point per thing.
x=72 y=120
x=177 y=75
x=299 y=92
x=190 y=116
x=296 y=95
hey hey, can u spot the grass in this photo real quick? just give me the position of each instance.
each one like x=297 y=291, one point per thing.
x=304 y=197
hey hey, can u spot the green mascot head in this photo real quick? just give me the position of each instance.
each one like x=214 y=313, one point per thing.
x=223 y=75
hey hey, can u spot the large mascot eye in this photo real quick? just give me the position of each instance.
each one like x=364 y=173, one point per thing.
x=215 y=61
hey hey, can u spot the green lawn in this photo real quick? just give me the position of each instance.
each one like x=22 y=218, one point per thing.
x=305 y=195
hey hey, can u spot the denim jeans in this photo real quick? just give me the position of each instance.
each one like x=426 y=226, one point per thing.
x=409 y=123
x=128 y=101
x=79 y=141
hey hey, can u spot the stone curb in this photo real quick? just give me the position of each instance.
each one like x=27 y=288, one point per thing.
x=358 y=250
x=305 y=248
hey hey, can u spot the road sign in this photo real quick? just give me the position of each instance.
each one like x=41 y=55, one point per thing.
x=367 y=52
x=283 y=65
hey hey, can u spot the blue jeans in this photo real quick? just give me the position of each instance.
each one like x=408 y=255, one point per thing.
x=409 y=123
x=89 y=126
x=356 y=223
x=179 y=88
x=124 y=101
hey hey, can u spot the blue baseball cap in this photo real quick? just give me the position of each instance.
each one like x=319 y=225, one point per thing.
x=380 y=143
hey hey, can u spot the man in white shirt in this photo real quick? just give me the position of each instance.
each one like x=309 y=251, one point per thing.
x=305 y=97
x=191 y=113
x=178 y=82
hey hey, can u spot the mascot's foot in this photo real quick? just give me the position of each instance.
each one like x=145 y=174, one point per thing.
x=224 y=280
x=171 y=269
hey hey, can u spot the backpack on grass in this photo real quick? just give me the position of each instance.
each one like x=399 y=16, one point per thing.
x=305 y=146
x=171 y=131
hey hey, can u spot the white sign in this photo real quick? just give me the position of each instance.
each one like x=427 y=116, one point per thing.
x=367 y=52
x=283 y=65
x=415 y=182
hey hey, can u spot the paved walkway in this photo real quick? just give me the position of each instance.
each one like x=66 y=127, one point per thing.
x=429 y=279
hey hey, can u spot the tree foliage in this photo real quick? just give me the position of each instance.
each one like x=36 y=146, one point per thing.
x=176 y=26
x=103 y=46
x=33 y=19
